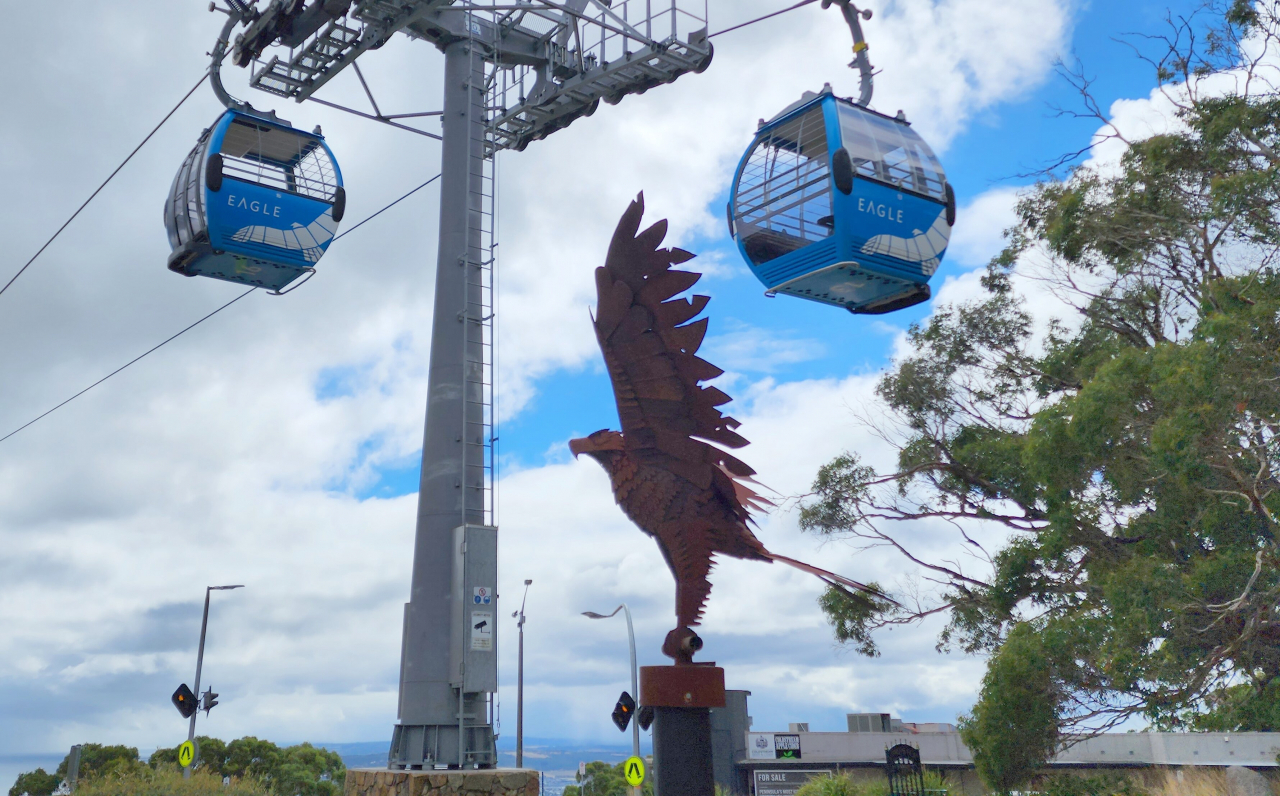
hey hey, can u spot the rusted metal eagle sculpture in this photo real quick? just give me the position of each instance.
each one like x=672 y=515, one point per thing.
x=689 y=495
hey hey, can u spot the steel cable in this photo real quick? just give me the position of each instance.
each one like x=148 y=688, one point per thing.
x=247 y=292
x=158 y=346
x=763 y=18
x=93 y=195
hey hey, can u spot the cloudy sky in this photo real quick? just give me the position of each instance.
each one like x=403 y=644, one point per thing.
x=277 y=445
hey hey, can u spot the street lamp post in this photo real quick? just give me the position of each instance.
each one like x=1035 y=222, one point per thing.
x=635 y=679
x=204 y=625
x=520 y=680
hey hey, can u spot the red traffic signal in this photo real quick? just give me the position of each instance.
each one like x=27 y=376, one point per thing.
x=623 y=711
x=185 y=701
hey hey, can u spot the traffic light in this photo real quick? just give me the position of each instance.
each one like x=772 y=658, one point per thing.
x=209 y=700
x=644 y=717
x=623 y=710
x=185 y=701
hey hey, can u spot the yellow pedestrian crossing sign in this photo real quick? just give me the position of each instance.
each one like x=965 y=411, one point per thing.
x=633 y=770
x=186 y=754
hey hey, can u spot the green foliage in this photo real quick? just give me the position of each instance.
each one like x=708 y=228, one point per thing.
x=302 y=770
x=852 y=615
x=96 y=760
x=1251 y=707
x=1014 y=726
x=838 y=785
x=936 y=783
x=250 y=757
x=604 y=779
x=35 y=783
x=1128 y=460
x=206 y=749
x=260 y=767
x=848 y=785
x=1072 y=784
x=166 y=780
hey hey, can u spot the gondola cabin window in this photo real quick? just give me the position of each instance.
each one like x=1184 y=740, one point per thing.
x=890 y=152
x=278 y=159
x=784 y=192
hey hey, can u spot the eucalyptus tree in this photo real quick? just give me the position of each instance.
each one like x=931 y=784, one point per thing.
x=1127 y=451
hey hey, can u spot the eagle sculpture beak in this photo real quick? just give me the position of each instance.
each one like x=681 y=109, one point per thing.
x=578 y=446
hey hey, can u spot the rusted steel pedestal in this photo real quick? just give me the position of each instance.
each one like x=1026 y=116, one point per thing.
x=682 y=697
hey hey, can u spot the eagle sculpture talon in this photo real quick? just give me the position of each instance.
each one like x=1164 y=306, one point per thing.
x=691 y=496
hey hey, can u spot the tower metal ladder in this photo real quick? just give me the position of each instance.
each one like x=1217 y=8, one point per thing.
x=480 y=342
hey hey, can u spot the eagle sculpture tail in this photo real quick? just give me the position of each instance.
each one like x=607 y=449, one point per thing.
x=832 y=578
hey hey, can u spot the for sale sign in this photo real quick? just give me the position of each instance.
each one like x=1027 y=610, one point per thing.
x=782 y=783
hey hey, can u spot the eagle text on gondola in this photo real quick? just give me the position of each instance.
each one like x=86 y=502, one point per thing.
x=882 y=210
x=255 y=206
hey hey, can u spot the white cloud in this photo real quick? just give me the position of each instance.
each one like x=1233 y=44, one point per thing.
x=743 y=347
x=980 y=225
x=216 y=461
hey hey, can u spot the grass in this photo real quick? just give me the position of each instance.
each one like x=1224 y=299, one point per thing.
x=1198 y=782
x=166 y=781
x=1168 y=782
x=844 y=785
x=1194 y=783
x=1163 y=782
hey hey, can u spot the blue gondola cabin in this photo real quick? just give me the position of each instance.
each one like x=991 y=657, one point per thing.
x=256 y=202
x=838 y=204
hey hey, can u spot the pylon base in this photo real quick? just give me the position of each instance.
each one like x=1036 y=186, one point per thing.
x=486 y=782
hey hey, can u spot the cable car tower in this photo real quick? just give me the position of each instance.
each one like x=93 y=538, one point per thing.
x=514 y=72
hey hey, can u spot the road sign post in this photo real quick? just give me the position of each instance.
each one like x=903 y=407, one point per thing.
x=633 y=772
x=187 y=753
x=191 y=728
x=519 y=617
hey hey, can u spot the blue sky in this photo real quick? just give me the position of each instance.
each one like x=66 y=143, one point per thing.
x=999 y=148
x=277 y=444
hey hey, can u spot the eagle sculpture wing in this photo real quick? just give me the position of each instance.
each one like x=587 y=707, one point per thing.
x=650 y=349
x=692 y=496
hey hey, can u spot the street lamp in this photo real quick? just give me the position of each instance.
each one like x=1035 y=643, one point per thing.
x=204 y=624
x=635 y=679
x=519 y=615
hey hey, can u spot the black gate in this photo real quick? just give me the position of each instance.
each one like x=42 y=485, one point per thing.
x=902 y=765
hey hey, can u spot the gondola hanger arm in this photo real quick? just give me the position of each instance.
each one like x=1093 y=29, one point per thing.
x=861 y=61
x=235 y=15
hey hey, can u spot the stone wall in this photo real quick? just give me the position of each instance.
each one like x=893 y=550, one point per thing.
x=493 y=782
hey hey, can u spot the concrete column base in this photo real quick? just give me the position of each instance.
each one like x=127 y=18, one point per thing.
x=486 y=782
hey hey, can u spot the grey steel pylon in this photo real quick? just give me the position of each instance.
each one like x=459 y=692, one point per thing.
x=516 y=71
x=441 y=721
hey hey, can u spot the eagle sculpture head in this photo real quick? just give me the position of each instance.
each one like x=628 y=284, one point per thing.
x=598 y=442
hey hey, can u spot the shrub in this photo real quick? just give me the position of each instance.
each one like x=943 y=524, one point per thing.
x=1064 y=784
x=1014 y=726
x=167 y=780
x=840 y=785
x=605 y=779
x=302 y=770
x=35 y=783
